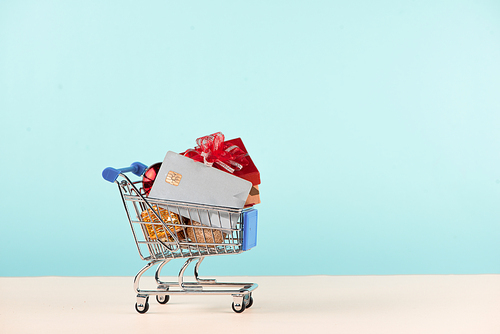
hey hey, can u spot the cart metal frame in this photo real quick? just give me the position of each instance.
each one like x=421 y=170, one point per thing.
x=160 y=240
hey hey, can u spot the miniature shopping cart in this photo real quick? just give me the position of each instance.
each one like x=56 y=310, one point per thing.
x=164 y=230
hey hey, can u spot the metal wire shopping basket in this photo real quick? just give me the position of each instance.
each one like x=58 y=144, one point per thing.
x=164 y=230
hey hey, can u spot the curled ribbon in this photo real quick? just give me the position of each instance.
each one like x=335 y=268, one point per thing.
x=212 y=150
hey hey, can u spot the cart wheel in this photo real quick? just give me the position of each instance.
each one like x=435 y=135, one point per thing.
x=249 y=303
x=142 y=308
x=240 y=308
x=162 y=299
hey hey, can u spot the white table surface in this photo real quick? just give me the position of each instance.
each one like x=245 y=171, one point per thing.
x=288 y=304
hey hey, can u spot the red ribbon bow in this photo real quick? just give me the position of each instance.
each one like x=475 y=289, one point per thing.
x=212 y=150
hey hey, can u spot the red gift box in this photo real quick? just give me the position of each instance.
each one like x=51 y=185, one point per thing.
x=248 y=172
x=230 y=156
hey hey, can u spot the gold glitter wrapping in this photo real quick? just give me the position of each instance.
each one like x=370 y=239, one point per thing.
x=168 y=218
x=204 y=235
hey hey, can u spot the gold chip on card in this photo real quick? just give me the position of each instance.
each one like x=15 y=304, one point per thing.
x=173 y=178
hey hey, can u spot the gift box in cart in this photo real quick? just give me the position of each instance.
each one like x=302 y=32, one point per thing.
x=166 y=229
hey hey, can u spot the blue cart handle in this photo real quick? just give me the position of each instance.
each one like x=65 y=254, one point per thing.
x=111 y=174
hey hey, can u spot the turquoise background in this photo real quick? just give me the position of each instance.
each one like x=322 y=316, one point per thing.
x=374 y=124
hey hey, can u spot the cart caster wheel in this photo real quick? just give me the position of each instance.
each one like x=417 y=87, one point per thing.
x=142 y=308
x=249 y=303
x=238 y=308
x=162 y=299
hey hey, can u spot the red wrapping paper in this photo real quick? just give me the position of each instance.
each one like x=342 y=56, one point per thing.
x=250 y=171
x=230 y=156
